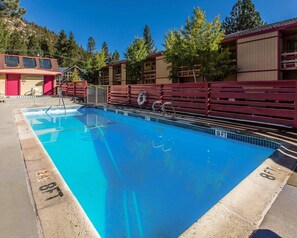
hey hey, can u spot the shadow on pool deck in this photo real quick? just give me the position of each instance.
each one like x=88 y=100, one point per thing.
x=264 y=234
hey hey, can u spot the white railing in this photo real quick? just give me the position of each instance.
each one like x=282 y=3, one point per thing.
x=289 y=60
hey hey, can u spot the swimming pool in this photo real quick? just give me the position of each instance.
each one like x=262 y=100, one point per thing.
x=137 y=178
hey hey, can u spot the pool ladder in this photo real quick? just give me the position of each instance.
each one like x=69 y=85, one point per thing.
x=163 y=109
x=61 y=98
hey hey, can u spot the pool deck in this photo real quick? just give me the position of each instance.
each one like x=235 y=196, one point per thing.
x=21 y=215
x=17 y=208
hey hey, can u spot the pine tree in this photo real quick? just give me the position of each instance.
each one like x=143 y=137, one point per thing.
x=147 y=36
x=91 y=47
x=33 y=46
x=17 y=44
x=72 y=51
x=115 y=57
x=4 y=37
x=242 y=17
x=10 y=8
x=62 y=48
x=106 y=51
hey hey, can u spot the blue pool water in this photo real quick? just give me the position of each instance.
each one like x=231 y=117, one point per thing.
x=136 y=178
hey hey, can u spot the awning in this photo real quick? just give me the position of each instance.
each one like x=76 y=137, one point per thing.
x=29 y=71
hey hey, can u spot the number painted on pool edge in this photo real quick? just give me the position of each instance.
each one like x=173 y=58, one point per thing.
x=220 y=133
x=49 y=188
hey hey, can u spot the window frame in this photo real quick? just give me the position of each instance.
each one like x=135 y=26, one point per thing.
x=31 y=59
x=12 y=56
x=41 y=64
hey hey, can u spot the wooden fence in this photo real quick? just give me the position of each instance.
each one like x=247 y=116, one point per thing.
x=266 y=101
x=75 y=89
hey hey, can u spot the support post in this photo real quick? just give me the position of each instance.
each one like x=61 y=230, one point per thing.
x=207 y=103
x=129 y=94
x=295 y=108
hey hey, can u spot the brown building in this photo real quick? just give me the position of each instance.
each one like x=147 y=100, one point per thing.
x=268 y=52
x=264 y=53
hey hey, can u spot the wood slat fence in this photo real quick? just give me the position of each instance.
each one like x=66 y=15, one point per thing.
x=265 y=101
x=74 y=89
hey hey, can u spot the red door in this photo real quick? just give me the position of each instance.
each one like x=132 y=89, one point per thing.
x=12 y=86
x=48 y=85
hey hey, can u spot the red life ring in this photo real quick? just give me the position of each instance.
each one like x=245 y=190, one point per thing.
x=141 y=99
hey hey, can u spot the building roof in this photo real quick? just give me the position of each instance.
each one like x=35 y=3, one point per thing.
x=65 y=69
x=29 y=71
x=62 y=69
x=262 y=29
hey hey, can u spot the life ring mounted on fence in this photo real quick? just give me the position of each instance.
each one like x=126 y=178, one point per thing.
x=141 y=99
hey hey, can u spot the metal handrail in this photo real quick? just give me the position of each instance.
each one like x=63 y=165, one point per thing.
x=155 y=102
x=164 y=110
x=61 y=98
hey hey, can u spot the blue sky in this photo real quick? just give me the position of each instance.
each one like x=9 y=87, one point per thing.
x=118 y=22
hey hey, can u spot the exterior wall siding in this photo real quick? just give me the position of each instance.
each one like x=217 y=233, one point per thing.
x=257 y=57
x=31 y=81
x=2 y=84
x=123 y=74
x=257 y=76
x=110 y=75
x=162 y=71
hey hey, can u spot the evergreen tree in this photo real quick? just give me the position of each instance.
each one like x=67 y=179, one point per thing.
x=4 y=37
x=91 y=47
x=242 y=17
x=72 y=51
x=135 y=56
x=17 y=44
x=10 y=8
x=198 y=43
x=33 y=46
x=115 y=57
x=106 y=51
x=147 y=36
x=46 y=48
x=62 y=48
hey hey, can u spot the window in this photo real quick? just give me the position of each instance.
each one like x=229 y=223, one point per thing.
x=11 y=61
x=45 y=63
x=29 y=62
x=292 y=45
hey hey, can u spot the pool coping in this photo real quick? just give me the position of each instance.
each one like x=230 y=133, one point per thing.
x=237 y=214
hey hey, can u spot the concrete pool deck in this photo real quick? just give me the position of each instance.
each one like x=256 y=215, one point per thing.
x=18 y=209
x=17 y=212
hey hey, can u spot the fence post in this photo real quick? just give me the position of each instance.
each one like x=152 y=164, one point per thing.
x=96 y=95
x=295 y=109
x=207 y=103
x=108 y=94
x=129 y=94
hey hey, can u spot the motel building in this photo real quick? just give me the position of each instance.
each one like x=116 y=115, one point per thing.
x=264 y=53
x=20 y=74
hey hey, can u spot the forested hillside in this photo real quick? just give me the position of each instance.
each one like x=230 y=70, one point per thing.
x=18 y=36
